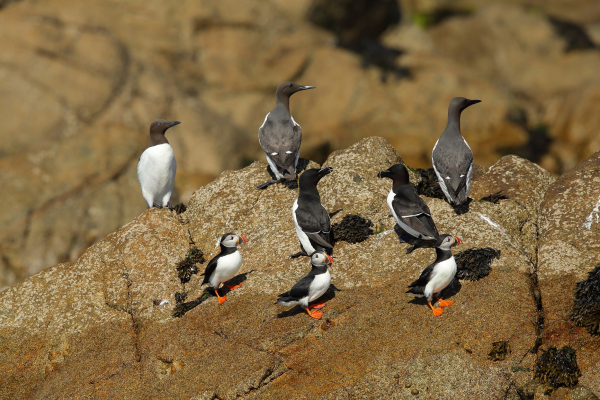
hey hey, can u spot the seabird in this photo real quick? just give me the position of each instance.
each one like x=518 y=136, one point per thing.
x=310 y=287
x=408 y=209
x=311 y=219
x=452 y=157
x=156 y=168
x=280 y=136
x=225 y=265
x=438 y=275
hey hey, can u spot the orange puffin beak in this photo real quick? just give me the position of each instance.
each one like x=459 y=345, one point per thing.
x=244 y=238
x=330 y=259
x=457 y=241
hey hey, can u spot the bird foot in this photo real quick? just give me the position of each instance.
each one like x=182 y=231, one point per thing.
x=170 y=206
x=157 y=205
x=445 y=303
x=437 y=311
x=315 y=314
x=222 y=299
x=410 y=249
x=234 y=287
x=317 y=306
x=299 y=254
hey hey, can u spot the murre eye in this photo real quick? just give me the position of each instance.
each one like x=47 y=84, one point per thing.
x=290 y=85
x=158 y=124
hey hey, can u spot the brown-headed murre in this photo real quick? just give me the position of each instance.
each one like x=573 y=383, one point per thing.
x=438 y=275
x=225 y=265
x=452 y=157
x=280 y=136
x=156 y=168
x=311 y=219
x=310 y=287
x=408 y=209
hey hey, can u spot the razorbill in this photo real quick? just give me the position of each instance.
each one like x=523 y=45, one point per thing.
x=452 y=157
x=156 y=168
x=225 y=265
x=310 y=287
x=408 y=209
x=311 y=219
x=438 y=275
x=280 y=136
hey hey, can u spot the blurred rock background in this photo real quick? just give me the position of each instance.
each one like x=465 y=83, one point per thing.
x=81 y=82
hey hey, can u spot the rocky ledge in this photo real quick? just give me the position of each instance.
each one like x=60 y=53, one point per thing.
x=124 y=321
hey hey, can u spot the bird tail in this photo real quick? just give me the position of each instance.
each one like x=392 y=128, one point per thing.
x=416 y=290
x=287 y=301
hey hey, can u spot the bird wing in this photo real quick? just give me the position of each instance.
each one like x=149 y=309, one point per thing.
x=453 y=168
x=313 y=221
x=210 y=268
x=424 y=278
x=280 y=140
x=302 y=287
x=413 y=211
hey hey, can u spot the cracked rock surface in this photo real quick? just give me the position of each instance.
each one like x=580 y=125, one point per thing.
x=102 y=327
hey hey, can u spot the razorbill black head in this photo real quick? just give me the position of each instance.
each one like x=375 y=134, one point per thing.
x=408 y=209
x=310 y=287
x=452 y=157
x=438 y=275
x=225 y=265
x=313 y=225
x=280 y=136
x=157 y=167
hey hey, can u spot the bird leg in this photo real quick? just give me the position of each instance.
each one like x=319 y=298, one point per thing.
x=235 y=286
x=410 y=249
x=317 y=306
x=299 y=254
x=314 y=314
x=170 y=206
x=436 y=311
x=271 y=182
x=445 y=303
x=221 y=298
x=156 y=205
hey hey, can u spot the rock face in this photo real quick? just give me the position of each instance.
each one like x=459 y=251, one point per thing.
x=81 y=83
x=103 y=327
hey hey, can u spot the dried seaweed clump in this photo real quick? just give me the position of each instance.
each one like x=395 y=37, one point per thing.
x=429 y=186
x=558 y=367
x=180 y=208
x=586 y=308
x=474 y=264
x=187 y=267
x=352 y=229
x=181 y=308
x=499 y=351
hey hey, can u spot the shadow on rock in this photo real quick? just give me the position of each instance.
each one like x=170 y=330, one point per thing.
x=329 y=295
x=449 y=292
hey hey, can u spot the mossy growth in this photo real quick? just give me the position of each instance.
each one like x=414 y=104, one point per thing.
x=352 y=229
x=474 y=264
x=499 y=351
x=557 y=367
x=494 y=197
x=586 y=307
x=428 y=185
x=187 y=267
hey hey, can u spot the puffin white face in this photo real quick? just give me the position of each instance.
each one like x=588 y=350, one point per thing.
x=320 y=259
x=232 y=240
x=448 y=242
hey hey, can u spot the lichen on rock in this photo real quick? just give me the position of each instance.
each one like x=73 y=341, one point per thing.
x=586 y=307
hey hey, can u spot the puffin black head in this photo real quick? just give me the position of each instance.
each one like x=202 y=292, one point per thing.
x=320 y=259
x=445 y=242
x=232 y=240
x=158 y=129
x=312 y=176
x=458 y=104
x=398 y=173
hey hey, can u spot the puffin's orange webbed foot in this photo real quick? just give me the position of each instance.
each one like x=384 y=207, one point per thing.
x=317 y=306
x=445 y=303
x=314 y=314
x=234 y=287
x=221 y=298
x=436 y=311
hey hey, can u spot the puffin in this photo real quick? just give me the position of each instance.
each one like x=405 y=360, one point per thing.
x=310 y=287
x=408 y=209
x=438 y=275
x=452 y=157
x=225 y=265
x=280 y=136
x=313 y=225
x=156 y=168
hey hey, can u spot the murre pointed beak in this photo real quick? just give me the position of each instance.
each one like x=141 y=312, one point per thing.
x=471 y=102
x=329 y=257
x=383 y=174
x=325 y=171
x=172 y=124
x=244 y=239
x=306 y=87
x=457 y=241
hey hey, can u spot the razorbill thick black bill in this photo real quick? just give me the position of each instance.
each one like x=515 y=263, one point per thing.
x=156 y=168
x=438 y=275
x=310 y=287
x=313 y=225
x=408 y=209
x=452 y=157
x=225 y=265
x=280 y=136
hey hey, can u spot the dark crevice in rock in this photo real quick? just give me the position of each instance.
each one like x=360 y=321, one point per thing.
x=558 y=367
x=352 y=229
x=575 y=36
x=180 y=208
x=586 y=306
x=429 y=19
x=534 y=287
x=474 y=264
x=538 y=138
x=494 y=197
x=134 y=322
